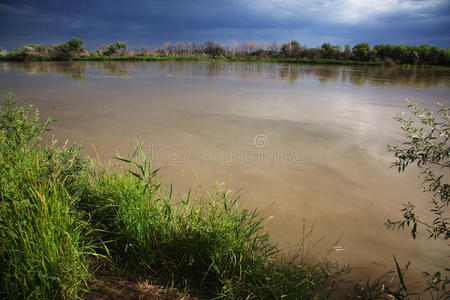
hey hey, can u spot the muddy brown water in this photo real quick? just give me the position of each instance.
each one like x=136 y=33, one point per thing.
x=302 y=141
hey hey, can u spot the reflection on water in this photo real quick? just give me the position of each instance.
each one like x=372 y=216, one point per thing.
x=304 y=141
x=74 y=71
x=358 y=76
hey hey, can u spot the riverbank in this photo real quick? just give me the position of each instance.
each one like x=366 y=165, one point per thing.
x=232 y=59
x=206 y=58
x=360 y=54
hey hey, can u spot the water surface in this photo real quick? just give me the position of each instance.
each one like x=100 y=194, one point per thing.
x=303 y=141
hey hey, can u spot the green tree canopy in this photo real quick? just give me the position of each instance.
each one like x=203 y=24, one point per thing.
x=361 y=51
x=330 y=51
x=115 y=48
x=69 y=49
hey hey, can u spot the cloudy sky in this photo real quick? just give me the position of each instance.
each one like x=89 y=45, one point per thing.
x=153 y=22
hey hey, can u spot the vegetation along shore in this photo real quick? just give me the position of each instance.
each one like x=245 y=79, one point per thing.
x=293 y=52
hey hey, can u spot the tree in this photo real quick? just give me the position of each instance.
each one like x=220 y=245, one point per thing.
x=213 y=49
x=169 y=47
x=330 y=51
x=145 y=51
x=75 y=45
x=296 y=48
x=428 y=147
x=191 y=46
x=292 y=49
x=116 y=48
x=273 y=47
x=3 y=53
x=361 y=51
x=179 y=46
x=260 y=46
x=69 y=49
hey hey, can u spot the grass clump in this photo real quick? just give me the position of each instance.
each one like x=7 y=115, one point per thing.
x=43 y=251
x=57 y=208
x=210 y=245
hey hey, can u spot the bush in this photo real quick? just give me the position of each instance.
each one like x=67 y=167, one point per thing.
x=3 y=53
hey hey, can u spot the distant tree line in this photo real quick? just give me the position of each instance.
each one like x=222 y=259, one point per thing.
x=362 y=52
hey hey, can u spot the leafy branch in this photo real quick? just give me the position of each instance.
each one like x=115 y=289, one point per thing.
x=427 y=146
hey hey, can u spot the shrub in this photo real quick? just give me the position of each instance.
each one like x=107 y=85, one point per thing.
x=3 y=53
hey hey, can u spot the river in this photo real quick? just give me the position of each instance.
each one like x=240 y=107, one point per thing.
x=297 y=141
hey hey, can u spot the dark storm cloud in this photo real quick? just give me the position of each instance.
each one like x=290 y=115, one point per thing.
x=154 y=22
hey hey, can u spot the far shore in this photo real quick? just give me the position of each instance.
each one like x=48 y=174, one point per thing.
x=227 y=59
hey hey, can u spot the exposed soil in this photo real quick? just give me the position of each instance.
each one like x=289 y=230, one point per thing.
x=118 y=288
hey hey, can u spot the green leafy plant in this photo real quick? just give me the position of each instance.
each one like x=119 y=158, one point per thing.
x=428 y=147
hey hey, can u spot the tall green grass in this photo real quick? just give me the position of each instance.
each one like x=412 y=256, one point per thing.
x=61 y=215
x=211 y=244
x=43 y=250
x=204 y=242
